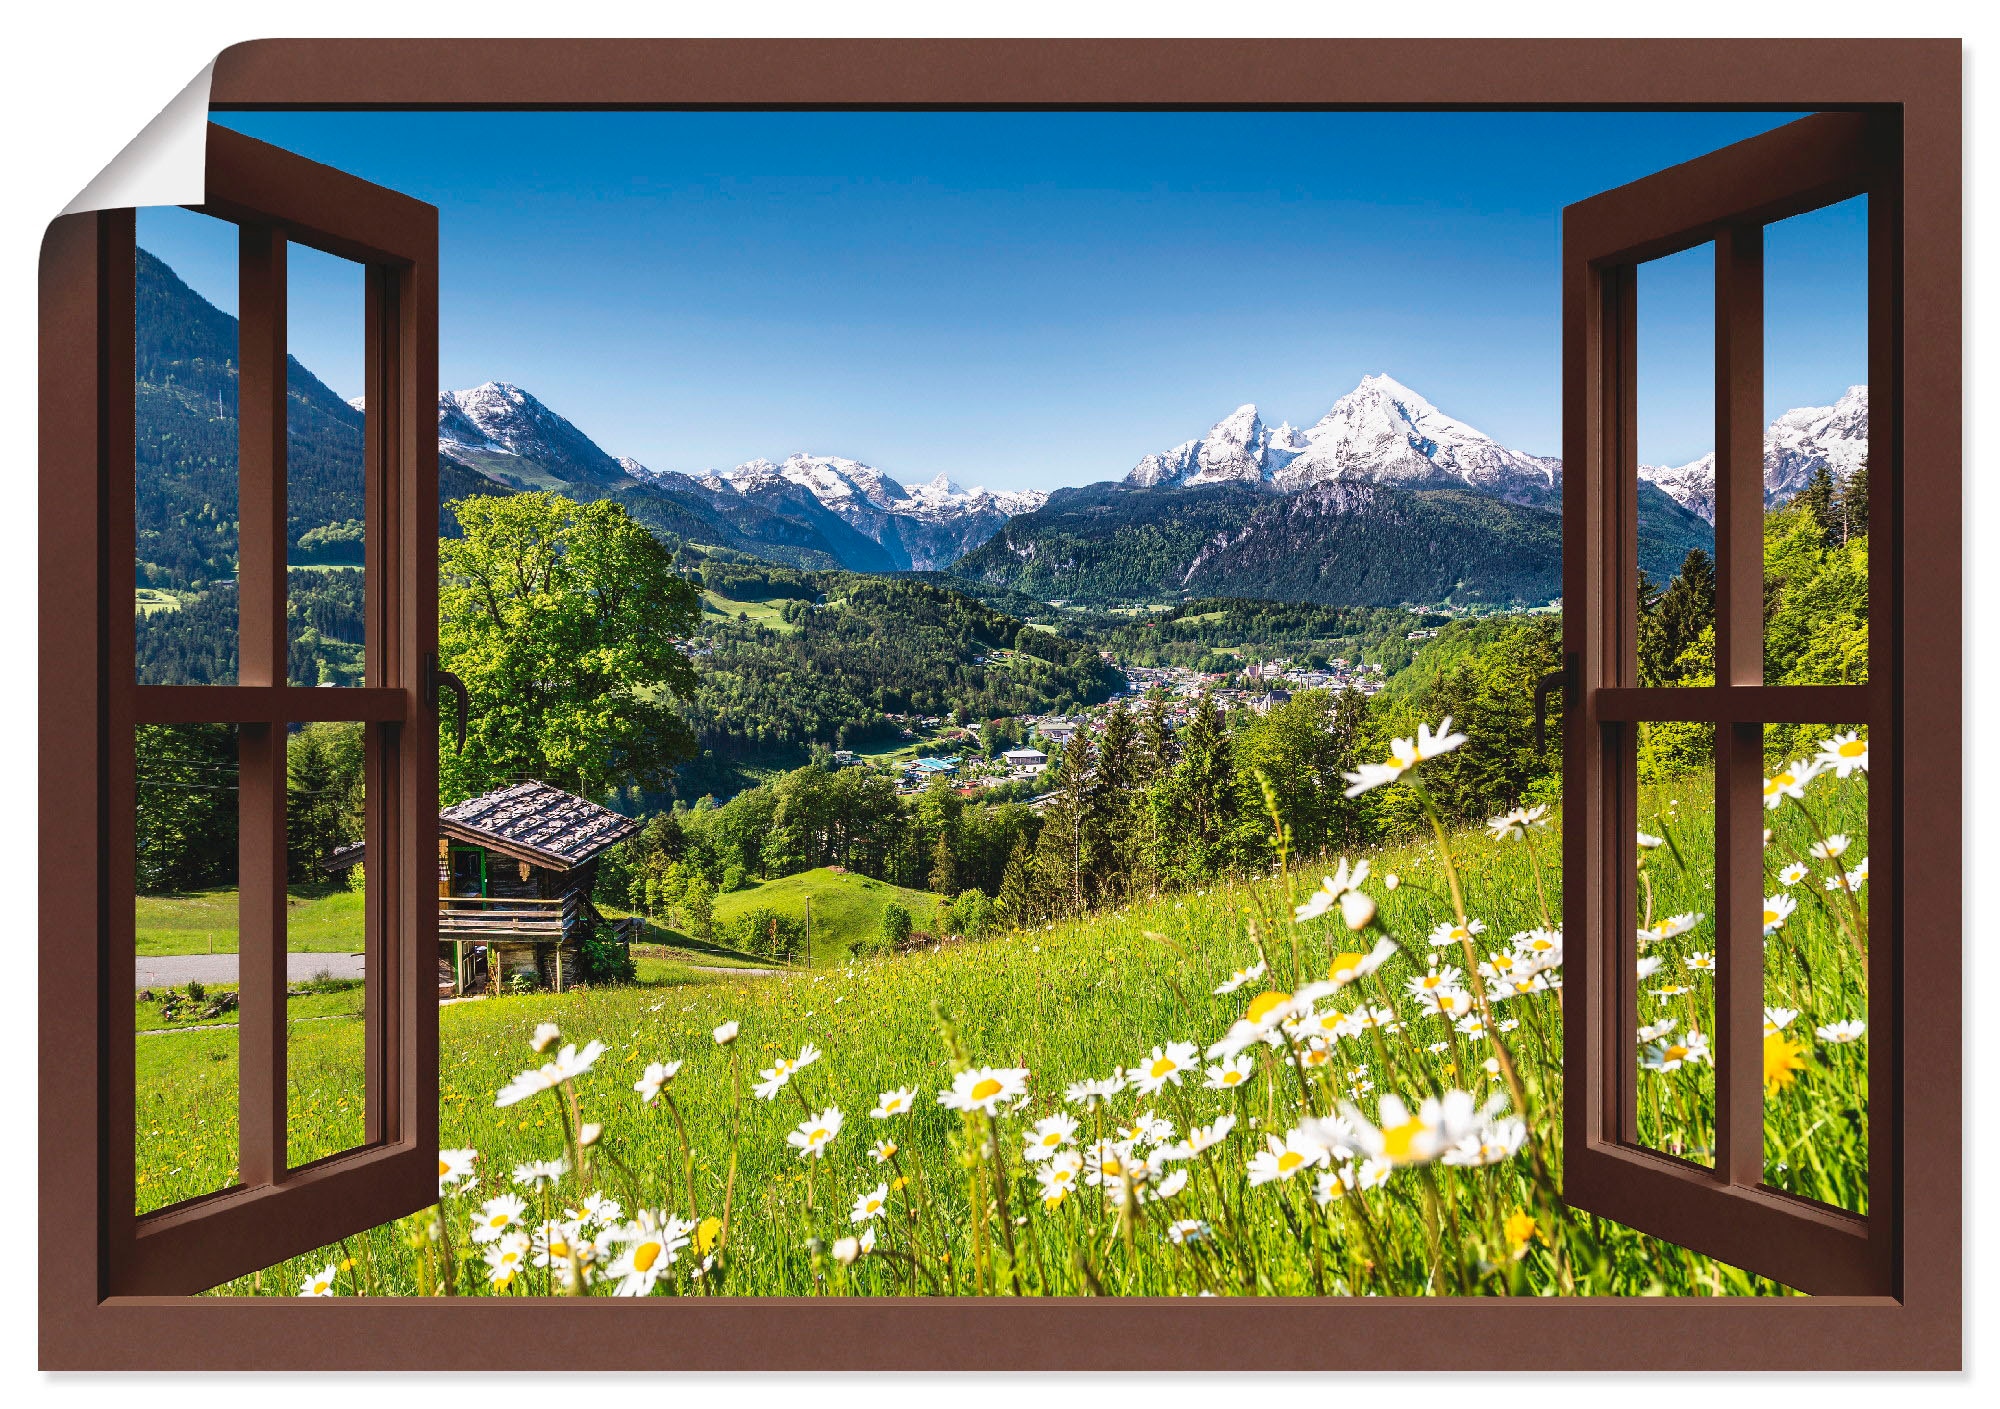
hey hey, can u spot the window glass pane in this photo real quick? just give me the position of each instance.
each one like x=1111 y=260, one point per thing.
x=185 y=1008
x=184 y=442
x=1675 y=835
x=326 y=504
x=1676 y=490
x=1816 y=447
x=325 y=942
x=1816 y=963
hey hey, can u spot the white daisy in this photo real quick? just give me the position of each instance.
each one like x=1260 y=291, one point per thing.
x=1087 y=1093
x=870 y=1205
x=893 y=1103
x=1673 y=927
x=1672 y=1054
x=815 y=1133
x=1240 y=977
x=1201 y=1138
x=541 y=1171
x=1777 y=908
x=454 y=1165
x=320 y=1283
x=1048 y=1135
x=984 y=1088
x=647 y=1248
x=654 y=1080
x=1513 y=826
x=1792 y=873
x=774 y=1078
x=1843 y=753
x=1449 y=933
x=1832 y=848
x=1284 y=1158
x=496 y=1216
x=1845 y=1031
x=1163 y=1067
x=1790 y=781
x=505 y=1259
x=1231 y=1073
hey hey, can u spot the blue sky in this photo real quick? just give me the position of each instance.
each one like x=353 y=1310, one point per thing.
x=1030 y=299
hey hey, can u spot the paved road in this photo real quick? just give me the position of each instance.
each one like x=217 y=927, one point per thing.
x=173 y=970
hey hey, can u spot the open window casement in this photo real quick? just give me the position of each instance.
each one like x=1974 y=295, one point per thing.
x=279 y=1205
x=1726 y=200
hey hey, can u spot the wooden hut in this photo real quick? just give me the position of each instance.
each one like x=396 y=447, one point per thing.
x=515 y=872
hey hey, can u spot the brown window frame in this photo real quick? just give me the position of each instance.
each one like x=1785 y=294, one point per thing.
x=274 y=1211
x=1915 y=1324
x=1726 y=197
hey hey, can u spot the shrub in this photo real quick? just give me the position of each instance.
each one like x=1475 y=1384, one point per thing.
x=895 y=925
x=973 y=914
x=601 y=959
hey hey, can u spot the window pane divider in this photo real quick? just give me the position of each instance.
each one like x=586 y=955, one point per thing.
x=269 y=704
x=1740 y=704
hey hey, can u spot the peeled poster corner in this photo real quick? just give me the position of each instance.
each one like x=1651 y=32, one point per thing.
x=166 y=164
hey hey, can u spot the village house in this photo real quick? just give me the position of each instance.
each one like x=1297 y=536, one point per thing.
x=516 y=868
x=1025 y=762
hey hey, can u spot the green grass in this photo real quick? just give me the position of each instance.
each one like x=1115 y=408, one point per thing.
x=1077 y=1000
x=769 y=613
x=317 y=1000
x=154 y=599
x=846 y=907
x=666 y=944
x=204 y=922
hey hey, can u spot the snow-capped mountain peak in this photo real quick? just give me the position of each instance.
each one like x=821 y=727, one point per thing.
x=503 y=431
x=1795 y=445
x=1380 y=432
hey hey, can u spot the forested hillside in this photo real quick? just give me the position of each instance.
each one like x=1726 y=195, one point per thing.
x=1194 y=633
x=1340 y=543
x=845 y=651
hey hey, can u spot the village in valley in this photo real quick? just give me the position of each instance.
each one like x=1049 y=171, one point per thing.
x=935 y=747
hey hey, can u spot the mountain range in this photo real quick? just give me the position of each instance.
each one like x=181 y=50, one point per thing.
x=812 y=510
x=1379 y=433
x=1385 y=499
x=1795 y=445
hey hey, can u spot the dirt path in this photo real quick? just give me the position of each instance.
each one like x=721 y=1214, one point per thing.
x=174 y=970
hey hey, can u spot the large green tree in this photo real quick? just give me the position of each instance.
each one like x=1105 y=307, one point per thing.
x=565 y=622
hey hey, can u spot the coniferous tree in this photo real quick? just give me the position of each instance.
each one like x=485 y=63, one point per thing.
x=944 y=866
x=1200 y=798
x=1852 y=506
x=1817 y=497
x=1019 y=901
x=322 y=812
x=1120 y=797
x=1676 y=619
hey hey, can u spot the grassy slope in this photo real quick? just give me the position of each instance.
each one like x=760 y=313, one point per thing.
x=767 y=613
x=845 y=906
x=205 y=922
x=1069 y=1001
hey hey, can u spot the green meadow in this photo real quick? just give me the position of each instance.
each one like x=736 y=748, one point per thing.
x=204 y=922
x=846 y=906
x=1108 y=994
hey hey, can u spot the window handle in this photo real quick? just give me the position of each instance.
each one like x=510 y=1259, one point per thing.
x=1546 y=686
x=436 y=681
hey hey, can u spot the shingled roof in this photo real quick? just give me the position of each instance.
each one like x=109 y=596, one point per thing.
x=536 y=823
